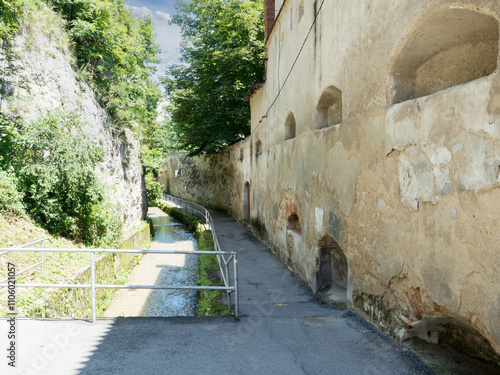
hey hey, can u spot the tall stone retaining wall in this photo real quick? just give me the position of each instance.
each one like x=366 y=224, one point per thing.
x=212 y=181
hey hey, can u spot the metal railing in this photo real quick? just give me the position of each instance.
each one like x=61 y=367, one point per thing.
x=223 y=262
x=33 y=266
x=93 y=286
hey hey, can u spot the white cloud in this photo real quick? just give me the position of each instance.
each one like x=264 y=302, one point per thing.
x=140 y=11
x=163 y=16
x=167 y=36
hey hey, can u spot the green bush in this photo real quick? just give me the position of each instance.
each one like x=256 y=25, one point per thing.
x=54 y=161
x=116 y=53
x=10 y=197
x=104 y=225
x=10 y=18
x=154 y=189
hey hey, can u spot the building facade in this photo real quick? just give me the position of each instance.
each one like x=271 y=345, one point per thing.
x=373 y=167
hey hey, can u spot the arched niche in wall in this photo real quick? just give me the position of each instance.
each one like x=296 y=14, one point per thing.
x=293 y=234
x=446 y=48
x=293 y=224
x=329 y=108
x=332 y=271
x=290 y=126
x=258 y=147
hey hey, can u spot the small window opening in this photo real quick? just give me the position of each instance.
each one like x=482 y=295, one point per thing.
x=329 y=108
x=449 y=48
x=294 y=224
x=451 y=332
x=290 y=126
x=241 y=154
x=177 y=173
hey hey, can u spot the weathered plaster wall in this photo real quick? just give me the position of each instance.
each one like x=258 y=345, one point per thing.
x=45 y=59
x=406 y=185
x=207 y=179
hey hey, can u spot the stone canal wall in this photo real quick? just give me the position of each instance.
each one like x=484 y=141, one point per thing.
x=77 y=303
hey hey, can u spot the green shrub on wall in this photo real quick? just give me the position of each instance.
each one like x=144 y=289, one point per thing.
x=194 y=224
x=116 y=54
x=154 y=189
x=10 y=17
x=10 y=196
x=54 y=162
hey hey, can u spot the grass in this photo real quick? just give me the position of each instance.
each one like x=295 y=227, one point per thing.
x=208 y=301
x=194 y=224
x=58 y=267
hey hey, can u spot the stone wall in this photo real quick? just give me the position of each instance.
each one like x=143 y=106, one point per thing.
x=212 y=180
x=373 y=167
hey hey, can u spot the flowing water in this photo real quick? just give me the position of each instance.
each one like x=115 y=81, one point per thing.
x=178 y=269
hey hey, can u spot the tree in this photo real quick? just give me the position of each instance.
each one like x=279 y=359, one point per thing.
x=222 y=42
x=117 y=52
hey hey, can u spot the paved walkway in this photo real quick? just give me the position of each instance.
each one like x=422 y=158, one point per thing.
x=282 y=330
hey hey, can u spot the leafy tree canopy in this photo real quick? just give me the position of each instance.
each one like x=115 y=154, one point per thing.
x=222 y=41
x=117 y=52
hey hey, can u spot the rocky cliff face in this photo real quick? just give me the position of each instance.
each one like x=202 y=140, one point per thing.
x=52 y=83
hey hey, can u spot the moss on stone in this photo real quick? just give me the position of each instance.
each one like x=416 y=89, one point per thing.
x=259 y=229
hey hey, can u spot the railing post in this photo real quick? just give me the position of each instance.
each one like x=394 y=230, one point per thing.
x=236 y=296
x=228 y=283
x=42 y=258
x=92 y=284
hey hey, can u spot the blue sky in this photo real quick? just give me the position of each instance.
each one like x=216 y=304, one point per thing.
x=167 y=36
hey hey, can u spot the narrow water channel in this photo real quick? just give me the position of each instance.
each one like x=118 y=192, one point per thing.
x=178 y=269
x=161 y=269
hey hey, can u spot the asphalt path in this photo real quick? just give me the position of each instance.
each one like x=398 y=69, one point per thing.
x=283 y=329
